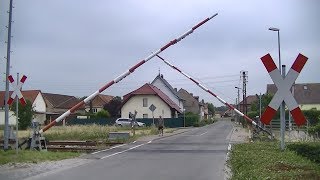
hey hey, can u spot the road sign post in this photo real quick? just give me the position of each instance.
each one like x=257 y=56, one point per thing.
x=283 y=95
x=152 y=108
x=16 y=94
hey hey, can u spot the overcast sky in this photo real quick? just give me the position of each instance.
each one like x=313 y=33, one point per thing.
x=74 y=47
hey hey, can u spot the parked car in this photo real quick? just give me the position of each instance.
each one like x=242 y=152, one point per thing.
x=127 y=122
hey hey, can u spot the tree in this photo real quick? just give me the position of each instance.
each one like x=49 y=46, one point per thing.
x=103 y=114
x=25 y=114
x=255 y=106
x=113 y=107
x=210 y=109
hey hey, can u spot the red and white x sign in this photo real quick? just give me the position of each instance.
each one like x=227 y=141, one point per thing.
x=17 y=90
x=283 y=93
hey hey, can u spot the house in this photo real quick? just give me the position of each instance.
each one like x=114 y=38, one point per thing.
x=249 y=100
x=34 y=96
x=142 y=98
x=167 y=89
x=191 y=103
x=307 y=95
x=46 y=106
x=98 y=103
x=57 y=104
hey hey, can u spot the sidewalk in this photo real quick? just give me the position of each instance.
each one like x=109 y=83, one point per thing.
x=238 y=134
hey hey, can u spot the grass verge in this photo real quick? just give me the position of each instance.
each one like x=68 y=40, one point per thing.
x=265 y=160
x=27 y=156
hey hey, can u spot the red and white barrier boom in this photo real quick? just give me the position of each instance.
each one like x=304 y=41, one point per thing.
x=125 y=74
x=221 y=100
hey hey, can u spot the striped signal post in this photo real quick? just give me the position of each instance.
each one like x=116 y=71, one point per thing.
x=17 y=90
x=125 y=74
x=210 y=92
x=283 y=93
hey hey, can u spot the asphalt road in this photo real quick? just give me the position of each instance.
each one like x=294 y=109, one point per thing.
x=199 y=153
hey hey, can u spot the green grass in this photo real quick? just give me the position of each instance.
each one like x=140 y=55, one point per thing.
x=28 y=156
x=265 y=160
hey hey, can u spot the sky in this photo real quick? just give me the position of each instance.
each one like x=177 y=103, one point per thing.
x=75 y=47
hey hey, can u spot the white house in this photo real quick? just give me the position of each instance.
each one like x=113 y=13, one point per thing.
x=141 y=99
x=167 y=89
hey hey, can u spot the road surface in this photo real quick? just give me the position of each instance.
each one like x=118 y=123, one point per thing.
x=199 y=153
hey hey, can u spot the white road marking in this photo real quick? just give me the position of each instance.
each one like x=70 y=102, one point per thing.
x=195 y=134
x=122 y=151
x=149 y=142
x=108 y=149
x=134 y=142
x=203 y=133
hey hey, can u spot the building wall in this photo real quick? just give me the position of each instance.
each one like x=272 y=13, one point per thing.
x=136 y=103
x=12 y=118
x=310 y=106
x=158 y=83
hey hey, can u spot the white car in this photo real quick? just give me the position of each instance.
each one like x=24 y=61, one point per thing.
x=127 y=122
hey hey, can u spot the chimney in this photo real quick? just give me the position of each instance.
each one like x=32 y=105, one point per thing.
x=197 y=98
x=191 y=94
x=175 y=89
x=161 y=76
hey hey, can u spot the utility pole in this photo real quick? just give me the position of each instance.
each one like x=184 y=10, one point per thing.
x=6 y=117
x=244 y=91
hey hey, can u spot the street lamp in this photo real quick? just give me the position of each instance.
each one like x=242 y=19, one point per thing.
x=282 y=107
x=277 y=30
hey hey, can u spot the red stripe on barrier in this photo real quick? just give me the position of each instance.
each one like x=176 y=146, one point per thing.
x=200 y=24
x=23 y=79
x=176 y=68
x=136 y=66
x=23 y=101
x=268 y=63
x=74 y=108
x=268 y=115
x=169 y=44
x=49 y=125
x=298 y=116
x=299 y=63
x=212 y=93
x=11 y=79
x=106 y=86
x=247 y=118
x=10 y=101
x=231 y=107
x=194 y=81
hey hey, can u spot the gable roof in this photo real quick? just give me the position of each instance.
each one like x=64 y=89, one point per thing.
x=250 y=99
x=149 y=89
x=165 y=82
x=60 y=101
x=30 y=95
x=100 y=100
x=304 y=93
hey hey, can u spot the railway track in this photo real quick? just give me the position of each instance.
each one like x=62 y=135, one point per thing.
x=78 y=146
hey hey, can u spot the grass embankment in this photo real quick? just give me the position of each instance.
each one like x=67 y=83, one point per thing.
x=265 y=160
x=27 y=156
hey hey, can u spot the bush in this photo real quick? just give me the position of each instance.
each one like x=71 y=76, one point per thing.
x=308 y=150
x=313 y=116
x=192 y=119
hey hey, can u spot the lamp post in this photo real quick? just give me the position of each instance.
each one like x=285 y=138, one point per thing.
x=282 y=107
x=184 y=117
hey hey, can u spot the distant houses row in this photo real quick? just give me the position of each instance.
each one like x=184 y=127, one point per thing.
x=166 y=101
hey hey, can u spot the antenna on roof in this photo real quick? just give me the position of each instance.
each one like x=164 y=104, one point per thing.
x=159 y=70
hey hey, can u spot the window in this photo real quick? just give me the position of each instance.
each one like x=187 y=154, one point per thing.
x=94 y=110
x=145 y=102
x=145 y=115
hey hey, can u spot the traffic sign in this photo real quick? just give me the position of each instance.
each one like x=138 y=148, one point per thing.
x=152 y=107
x=283 y=93
x=17 y=90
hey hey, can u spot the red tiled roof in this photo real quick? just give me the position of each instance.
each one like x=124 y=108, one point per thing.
x=61 y=101
x=30 y=95
x=148 y=89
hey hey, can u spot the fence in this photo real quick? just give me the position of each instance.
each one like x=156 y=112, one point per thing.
x=168 y=122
